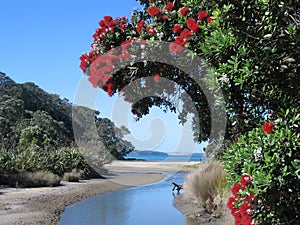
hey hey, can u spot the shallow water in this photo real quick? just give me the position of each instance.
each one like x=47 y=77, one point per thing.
x=145 y=205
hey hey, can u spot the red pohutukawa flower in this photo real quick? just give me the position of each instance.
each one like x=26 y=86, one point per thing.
x=268 y=127
x=175 y=47
x=202 y=15
x=169 y=6
x=154 y=11
x=235 y=189
x=193 y=25
x=151 y=31
x=243 y=201
x=164 y=17
x=109 y=89
x=156 y=77
x=140 y=26
x=246 y=180
x=177 y=29
x=184 y=11
x=209 y=19
x=108 y=21
x=186 y=34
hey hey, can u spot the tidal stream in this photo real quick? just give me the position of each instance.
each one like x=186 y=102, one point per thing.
x=144 y=205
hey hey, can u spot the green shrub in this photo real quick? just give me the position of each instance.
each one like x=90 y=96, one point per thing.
x=274 y=162
x=34 y=159
x=208 y=186
x=34 y=179
x=64 y=160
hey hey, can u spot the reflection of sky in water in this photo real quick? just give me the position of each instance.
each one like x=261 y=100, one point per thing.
x=147 y=205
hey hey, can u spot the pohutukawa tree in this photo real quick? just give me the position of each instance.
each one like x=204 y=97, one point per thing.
x=251 y=48
x=249 y=66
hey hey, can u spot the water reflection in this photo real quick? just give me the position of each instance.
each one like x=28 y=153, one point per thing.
x=146 y=205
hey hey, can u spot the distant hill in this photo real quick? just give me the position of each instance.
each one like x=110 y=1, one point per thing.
x=148 y=152
x=158 y=153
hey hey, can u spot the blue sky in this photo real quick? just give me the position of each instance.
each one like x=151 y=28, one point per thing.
x=41 y=42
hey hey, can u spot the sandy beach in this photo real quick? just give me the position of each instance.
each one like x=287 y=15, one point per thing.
x=29 y=206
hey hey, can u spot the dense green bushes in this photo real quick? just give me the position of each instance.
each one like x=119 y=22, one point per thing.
x=34 y=159
x=37 y=134
x=272 y=158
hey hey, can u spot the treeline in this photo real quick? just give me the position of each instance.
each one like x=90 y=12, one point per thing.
x=36 y=135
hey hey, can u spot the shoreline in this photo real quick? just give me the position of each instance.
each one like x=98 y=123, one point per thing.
x=40 y=206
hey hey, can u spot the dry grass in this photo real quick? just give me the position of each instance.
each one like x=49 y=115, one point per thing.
x=34 y=179
x=73 y=176
x=208 y=186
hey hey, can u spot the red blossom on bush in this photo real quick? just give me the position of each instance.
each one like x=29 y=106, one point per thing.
x=169 y=6
x=107 y=21
x=185 y=34
x=177 y=29
x=193 y=25
x=175 y=47
x=235 y=189
x=156 y=77
x=231 y=204
x=164 y=17
x=151 y=31
x=202 y=15
x=246 y=180
x=154 y=11
x=268 y=127
x=209 y=19
x=140 y=26
x=86 y=59
x=242 y=202
x=109 y=89
x=184 y=11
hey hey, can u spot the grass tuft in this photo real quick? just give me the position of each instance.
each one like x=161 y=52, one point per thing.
x=73 y=176
x=208 y=186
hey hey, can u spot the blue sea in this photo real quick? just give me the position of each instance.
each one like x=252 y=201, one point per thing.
x=171 y=158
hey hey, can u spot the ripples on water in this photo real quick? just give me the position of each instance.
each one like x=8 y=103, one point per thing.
x=145 y=205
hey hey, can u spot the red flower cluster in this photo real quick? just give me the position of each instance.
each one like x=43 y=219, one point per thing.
x=100 y=71
x=151 y=31
x=242 y=202
x=156 y=77
x=177 y=29
x=268 y=127
x=107 y=25
x=99 y=67
x=193 y=25
x=184 y=11
x=140 y=25
x=186 y=34
x=86 y=59
x=169 y=6
x=154 y=11
x=180 y=41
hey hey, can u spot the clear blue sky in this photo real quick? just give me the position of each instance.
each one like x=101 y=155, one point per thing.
x=41 y=42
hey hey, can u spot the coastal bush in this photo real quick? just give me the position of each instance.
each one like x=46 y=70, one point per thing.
x=208 y=186
x=34 y=179
x=65 y=160
x=271 y=155
x=34 y=159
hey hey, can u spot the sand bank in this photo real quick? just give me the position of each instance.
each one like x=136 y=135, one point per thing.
x=44 y=206
x=162 y=166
